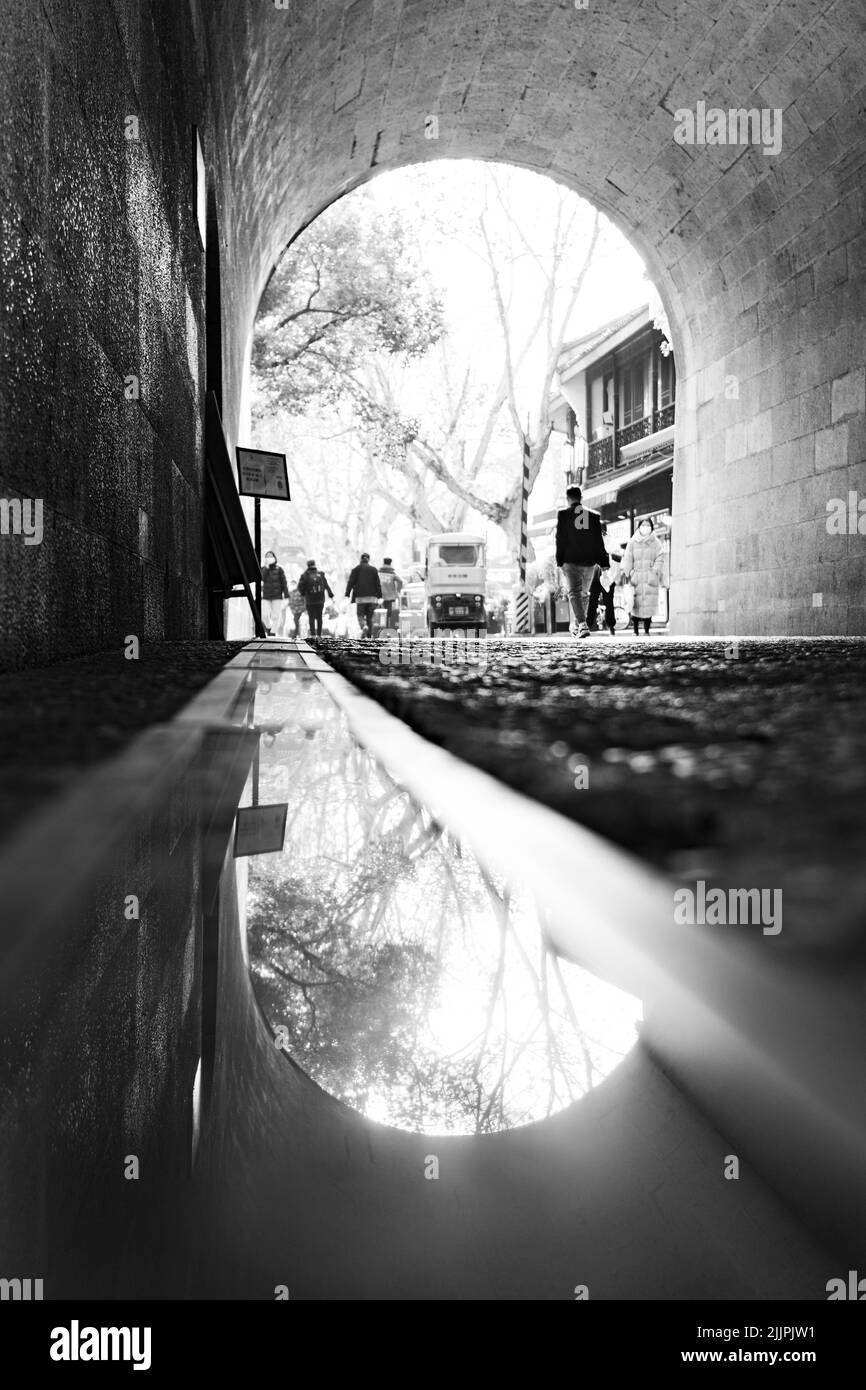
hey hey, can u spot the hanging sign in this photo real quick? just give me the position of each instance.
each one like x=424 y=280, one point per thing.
x=262 y=475
x=260 y=830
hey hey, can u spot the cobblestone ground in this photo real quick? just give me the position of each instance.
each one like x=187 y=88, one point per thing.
x=745 y=765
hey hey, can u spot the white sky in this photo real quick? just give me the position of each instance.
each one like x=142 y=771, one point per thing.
x=617 y=283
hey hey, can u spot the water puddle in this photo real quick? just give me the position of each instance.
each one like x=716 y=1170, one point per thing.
x=401 y=975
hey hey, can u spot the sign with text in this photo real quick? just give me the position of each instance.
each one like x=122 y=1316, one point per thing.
x=262 y=475
x=260 y=830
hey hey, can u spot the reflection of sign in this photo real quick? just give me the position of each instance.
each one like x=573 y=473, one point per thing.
x=260 y=830
x=262 y=475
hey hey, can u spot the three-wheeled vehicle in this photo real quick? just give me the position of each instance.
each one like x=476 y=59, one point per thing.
x=456 y=583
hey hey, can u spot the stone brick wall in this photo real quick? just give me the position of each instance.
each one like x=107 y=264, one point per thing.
x=102 y=281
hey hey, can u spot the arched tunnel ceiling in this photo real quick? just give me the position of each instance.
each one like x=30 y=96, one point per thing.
x=312 y=97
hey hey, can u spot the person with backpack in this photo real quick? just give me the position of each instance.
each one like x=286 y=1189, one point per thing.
x=275 y=591
x=313 y=585
x=392 y=587
x=364 y=590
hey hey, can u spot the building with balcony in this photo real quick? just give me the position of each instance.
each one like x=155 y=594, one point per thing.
x=616 y=406
x=614 y=414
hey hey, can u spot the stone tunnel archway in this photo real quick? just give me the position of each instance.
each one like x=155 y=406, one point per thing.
x=758 y=257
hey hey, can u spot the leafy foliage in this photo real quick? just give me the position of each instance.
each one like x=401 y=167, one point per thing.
x=352 y=286
x=350 y=1002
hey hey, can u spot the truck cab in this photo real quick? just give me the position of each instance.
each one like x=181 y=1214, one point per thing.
x=456 y=583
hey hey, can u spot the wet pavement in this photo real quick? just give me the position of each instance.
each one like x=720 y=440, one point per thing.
x=176 y=922
x=406 y=978
x=740 y=763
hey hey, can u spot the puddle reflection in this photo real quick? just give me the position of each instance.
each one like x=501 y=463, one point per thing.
x=394 y=969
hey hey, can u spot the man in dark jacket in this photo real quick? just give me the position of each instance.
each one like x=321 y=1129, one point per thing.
x=579 y=549
x=364 y=589
x=313 y=585
x=275 y=591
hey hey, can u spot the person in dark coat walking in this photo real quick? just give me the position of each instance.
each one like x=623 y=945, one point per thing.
x=580 y=552
x=364 y=589
x=599 y=594
x=313 y=585
x=275 y=591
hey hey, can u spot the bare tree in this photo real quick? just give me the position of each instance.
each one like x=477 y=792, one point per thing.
x=440 y=434
x=457 y=443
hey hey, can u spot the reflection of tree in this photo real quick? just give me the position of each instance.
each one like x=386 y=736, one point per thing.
x=349 y=1003
x=374 y=926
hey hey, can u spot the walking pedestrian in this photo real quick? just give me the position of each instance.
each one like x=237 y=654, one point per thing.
x=392 y=587
x=313 y=585
x=275 y=591
x=364 y=590
x=602 y=590
x=642 y=567
x=579 y=553
x=297 y=605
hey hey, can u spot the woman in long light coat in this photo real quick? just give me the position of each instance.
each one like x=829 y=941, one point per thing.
x=642 y=566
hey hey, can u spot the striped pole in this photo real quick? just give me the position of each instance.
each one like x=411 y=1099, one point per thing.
x=524 y=505
x=521 y=596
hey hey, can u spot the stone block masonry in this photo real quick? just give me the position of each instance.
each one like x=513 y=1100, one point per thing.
x=101 y=327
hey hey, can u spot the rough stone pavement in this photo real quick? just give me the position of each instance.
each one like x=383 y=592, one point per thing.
x=744 y=766
x=747 y=770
